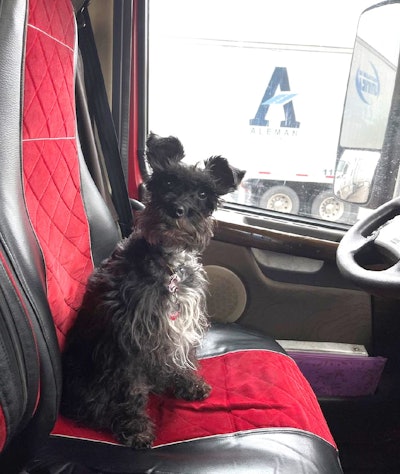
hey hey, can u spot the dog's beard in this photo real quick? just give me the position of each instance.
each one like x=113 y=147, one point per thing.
x=170 y=332
x=184 y=233
x=186 y=329
x=173 y=341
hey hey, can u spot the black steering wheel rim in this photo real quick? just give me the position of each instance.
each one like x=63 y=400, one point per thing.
x=362 y=235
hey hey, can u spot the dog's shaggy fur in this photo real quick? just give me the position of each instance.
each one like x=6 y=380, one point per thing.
x=144 y=314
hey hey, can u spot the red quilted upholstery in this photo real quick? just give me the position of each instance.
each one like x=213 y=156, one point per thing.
x=241 y=399
x=250 y=390
x=50 y=164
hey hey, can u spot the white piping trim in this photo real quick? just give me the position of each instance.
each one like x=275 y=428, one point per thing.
x=226 y=435
x=47 y=139
x=100 y=441
x=49 y=36
x=253 y=431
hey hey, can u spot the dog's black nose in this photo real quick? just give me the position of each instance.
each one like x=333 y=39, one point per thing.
x=179 y=211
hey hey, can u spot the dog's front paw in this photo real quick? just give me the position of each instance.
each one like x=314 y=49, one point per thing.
x=137 y=433
x=142 y=440
x=194 y=390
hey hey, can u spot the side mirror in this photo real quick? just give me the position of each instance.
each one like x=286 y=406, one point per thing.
x=369 y=104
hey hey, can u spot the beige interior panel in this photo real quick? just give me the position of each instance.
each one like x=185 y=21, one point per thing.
x=294 y=311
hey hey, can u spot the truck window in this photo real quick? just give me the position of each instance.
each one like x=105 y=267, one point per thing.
x=262 y=83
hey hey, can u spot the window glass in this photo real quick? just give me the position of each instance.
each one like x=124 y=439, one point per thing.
x=262 y=83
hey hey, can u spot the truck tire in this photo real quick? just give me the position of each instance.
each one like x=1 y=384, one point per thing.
x=328 y=207
x=281 y=199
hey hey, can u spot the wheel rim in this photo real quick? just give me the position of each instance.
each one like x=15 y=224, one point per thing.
x=280 y=202
x=331 y=209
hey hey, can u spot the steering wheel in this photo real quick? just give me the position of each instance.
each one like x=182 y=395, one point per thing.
x=369 y=253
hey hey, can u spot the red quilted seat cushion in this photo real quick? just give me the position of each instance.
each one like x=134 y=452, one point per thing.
x=255 y=389
x=50 y=162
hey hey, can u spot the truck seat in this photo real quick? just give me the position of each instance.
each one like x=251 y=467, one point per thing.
x=262 y=415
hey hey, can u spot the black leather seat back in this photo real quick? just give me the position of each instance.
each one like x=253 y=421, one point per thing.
x=42 y=179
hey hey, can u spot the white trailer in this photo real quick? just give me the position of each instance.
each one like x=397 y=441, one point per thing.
x=294 y=132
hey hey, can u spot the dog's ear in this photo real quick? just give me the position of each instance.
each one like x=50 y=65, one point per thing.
x=227 y=178
x=163 y=151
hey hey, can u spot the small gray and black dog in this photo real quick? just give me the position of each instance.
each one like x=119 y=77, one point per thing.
x=144 y=311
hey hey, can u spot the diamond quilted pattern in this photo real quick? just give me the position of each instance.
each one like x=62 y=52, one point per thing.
x=49 y=88
x=54 y=19
x=50 y=163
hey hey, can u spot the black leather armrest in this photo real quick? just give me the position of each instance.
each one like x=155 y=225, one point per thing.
x=230 y=337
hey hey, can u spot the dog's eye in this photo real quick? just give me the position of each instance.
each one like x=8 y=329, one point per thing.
x=202 y=195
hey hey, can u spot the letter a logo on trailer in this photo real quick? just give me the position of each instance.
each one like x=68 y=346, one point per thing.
x=280 y=79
